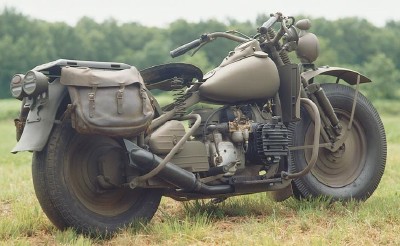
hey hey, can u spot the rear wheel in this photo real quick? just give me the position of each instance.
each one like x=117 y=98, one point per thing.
x=355 y=170
x=67 y=178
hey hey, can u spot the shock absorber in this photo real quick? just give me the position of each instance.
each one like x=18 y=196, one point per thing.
x=326 y=106
x=283 y=54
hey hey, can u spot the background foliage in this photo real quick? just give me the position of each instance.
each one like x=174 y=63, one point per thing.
x=349 y=42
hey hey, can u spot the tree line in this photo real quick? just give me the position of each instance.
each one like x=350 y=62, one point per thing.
x=350 y=42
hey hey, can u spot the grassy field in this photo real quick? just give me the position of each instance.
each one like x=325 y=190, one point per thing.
x=246 y=220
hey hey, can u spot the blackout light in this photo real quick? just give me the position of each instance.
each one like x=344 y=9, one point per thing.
x=35 y=83
x=16 y=86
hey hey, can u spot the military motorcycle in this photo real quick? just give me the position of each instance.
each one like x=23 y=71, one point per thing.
x=105 y=152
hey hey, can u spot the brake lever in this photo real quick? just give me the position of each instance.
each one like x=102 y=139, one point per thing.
x=285 y=24
x=205 y=40
x=199 y=47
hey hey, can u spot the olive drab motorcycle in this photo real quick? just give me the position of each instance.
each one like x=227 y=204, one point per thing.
x=105 y=151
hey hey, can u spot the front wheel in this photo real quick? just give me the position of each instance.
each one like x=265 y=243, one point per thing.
x=66 y=181
x=355 y=170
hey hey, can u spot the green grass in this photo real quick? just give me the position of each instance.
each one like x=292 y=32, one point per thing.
x=245 y=220
x=9 y=108
x=388 y=107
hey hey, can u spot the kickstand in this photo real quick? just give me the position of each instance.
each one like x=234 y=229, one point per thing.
x=218 y=200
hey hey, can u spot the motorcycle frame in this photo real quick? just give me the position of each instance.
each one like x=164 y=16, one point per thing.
x=41 y=118
x=43 y=114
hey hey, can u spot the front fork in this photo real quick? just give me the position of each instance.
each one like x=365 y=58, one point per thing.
x=330 y=125
x=332 y=132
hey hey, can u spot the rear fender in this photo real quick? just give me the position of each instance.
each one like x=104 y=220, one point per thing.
x=41 y=119
x=345 y=74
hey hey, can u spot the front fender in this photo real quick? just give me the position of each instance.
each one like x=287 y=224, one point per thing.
x=40 y=120
x=345 y=74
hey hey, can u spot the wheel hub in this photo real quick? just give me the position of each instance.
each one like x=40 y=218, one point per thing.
x=111 y=168
x=342 y=167
x=337 y=155
x=94 y=172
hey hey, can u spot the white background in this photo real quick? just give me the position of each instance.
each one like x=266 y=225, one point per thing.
x=161 y=12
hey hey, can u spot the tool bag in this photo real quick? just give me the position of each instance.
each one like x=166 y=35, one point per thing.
x=107 y=102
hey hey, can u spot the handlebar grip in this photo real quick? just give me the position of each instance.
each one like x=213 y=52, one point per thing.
x=264 y=28
x=185 y=48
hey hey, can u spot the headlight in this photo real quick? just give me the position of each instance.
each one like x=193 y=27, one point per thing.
x=35 y=83
x=16 y=86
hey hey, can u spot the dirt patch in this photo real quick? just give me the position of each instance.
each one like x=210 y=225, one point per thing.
x=5 y=209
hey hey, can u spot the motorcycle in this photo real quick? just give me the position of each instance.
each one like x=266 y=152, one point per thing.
x=105 y=152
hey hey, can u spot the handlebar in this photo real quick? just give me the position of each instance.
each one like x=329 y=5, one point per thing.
x=286 y=24
x=204 y=39
x=268 y=24
x=185 y=48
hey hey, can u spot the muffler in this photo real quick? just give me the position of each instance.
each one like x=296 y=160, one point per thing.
x=147 y=161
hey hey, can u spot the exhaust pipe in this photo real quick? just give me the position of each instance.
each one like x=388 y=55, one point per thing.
x=146 y=161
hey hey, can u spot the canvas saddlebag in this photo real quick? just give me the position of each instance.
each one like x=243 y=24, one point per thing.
x=107 y=102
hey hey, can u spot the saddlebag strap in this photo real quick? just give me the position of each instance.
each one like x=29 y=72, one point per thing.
x=120 y=99
x=92 y=101
x=144 y=96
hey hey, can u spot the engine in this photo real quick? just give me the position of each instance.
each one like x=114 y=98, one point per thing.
x=236 y=138
x=269 y=143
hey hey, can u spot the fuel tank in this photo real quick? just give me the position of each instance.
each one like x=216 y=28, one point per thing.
x=247 y=73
